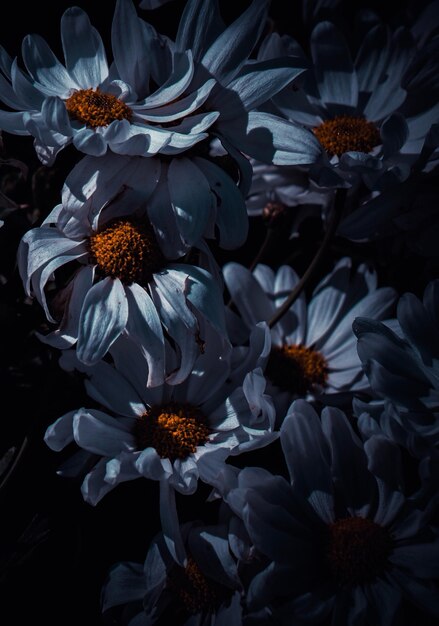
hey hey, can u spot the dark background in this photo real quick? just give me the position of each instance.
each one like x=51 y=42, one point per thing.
x=55 y=550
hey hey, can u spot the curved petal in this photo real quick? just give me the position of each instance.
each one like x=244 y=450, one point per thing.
x=192 y=203
x=83 y=49
x=45 y=68
x=144 y=326
x=103 y=317
x=231 y=49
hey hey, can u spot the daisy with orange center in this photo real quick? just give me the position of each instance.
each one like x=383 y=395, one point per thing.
x=338 y=534
x=119 y=286
x=313 y=349
x=174 y=434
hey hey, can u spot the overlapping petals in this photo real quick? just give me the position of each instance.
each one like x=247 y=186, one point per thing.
x=236 y=420
x=316 y=569
x=324 y=325
x=403 y=367
x=94 y=309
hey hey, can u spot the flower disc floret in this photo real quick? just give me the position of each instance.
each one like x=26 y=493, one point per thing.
x=196 y=593
x=346 y=133
x=96 y=108
x=126 y=250
x=174 y=430
x=297 y=368
x=358 y=550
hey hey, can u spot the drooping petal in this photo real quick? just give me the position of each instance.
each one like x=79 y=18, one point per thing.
x=191 y=198
x=144 y=326
x=103 y=317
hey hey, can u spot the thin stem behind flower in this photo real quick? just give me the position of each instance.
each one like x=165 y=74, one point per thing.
x=334 y=221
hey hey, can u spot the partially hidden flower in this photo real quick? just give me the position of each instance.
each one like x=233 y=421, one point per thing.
x=353 y=102
x=206 y=590
x=403 y=368
x=339 y=537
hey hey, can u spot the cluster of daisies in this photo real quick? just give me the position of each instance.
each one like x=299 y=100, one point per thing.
x=190 y=362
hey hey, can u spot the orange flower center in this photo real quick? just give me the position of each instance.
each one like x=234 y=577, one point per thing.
x=297 y=369
x=127 y=251
x=358 y=550
x=347 y=134
x=96 y=108
x=174 y=430
x=196 y=593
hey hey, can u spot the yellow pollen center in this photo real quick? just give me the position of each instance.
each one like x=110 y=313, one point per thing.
x=174 y=430
x=357 y=550
x=196 y=593
x=347 y=134
x=297 y=369
x=126 y=250
x=96 y=108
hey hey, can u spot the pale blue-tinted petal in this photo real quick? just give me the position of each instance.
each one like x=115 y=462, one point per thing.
x=394 y=133
x=170 y=523
x=231 y=49
x=372 y=57
x=257 y=83
x=182 y=333
x=192 y=202
x=45 y=68
x=384 y=461
x=126 y=583
x=130 y=38
x=145 y=327
x=54 y=114
x=352 y=479
x=231 y=215
x=178 y=81
x=247 y=294
x=333 y=67
x=67 y=333
x=94 y=487
x=203 y=292
x=271 y=139
x=101 y=438
x=83 y=49
x=376 y=305
x=59 y=434
x=103 y=317
x=177 y=108
x=89 y=141
x=9 y=97
x=31 y=97
x=200 y=25
x=308 y=458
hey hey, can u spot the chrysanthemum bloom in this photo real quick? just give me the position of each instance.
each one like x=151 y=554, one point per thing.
x=174 y=434
x=313 y=347
x=119 y=283
x=355 y=106
x=153 y=97
x=340 y=538
x=404 y=369
x=207 y=590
